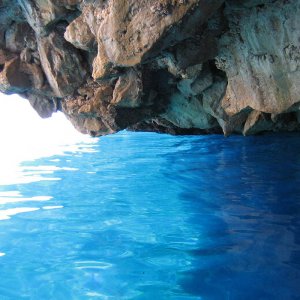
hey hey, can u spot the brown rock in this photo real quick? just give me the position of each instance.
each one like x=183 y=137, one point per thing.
x=176 y=66
x=128 y=90
x=13 y=79
x=129 y=28
x=61 y=64
x=91 y=113
x=80 y=35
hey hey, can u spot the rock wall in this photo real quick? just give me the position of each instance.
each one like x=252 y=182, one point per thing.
x=175 y=66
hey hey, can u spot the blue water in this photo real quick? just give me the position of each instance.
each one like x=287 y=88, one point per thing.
x=148 y=216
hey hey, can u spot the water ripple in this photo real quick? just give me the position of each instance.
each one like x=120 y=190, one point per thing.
x=146 y=216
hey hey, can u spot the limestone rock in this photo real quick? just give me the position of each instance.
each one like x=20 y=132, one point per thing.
x=18 y=76
x=188 y=113
x=261 y=57
x=127 y=30
x=61 y=63
x=79 y=34
x=42 y=105
x=42 y=14
x=256 y=122
x=175 y=66
x=128 y=90
x=130 y=28
x=12 y=79
x=90 y=112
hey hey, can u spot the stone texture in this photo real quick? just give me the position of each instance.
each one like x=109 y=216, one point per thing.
x=128 y=90
x=41 y=15
x=175 y=66
x=90 y=112
x=256 y=122
x=42 y=105
x=130 y=29
x=261 y=57
x=12 y=78
x=61 y=63
x=79 y=34
x=188 y=113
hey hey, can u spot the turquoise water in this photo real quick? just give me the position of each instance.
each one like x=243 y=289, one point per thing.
x=148 y=216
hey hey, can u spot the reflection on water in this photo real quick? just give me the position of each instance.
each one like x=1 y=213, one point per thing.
x=146 y=216
x=13 y=172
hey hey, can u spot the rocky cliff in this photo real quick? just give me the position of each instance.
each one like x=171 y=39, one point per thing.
x=176 y=66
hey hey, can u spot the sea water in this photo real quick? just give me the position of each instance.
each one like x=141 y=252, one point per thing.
x=149 y=216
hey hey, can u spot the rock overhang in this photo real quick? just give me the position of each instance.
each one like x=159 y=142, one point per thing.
x=177 y=66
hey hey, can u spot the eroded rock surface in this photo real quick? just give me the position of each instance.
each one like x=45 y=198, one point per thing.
x=176 y=66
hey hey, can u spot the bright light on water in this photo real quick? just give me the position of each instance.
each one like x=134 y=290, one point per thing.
x=145 y=216
x=25 y=136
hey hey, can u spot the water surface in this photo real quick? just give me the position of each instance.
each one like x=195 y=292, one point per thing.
x=148 y=216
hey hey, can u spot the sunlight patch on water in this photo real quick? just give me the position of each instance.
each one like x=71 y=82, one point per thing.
x=19 y=178
x=10 y=194
x=25 y=136
x=7 y=213
x=22 y=199
x=95 y=294
x=49 y=169
x=52 y=207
